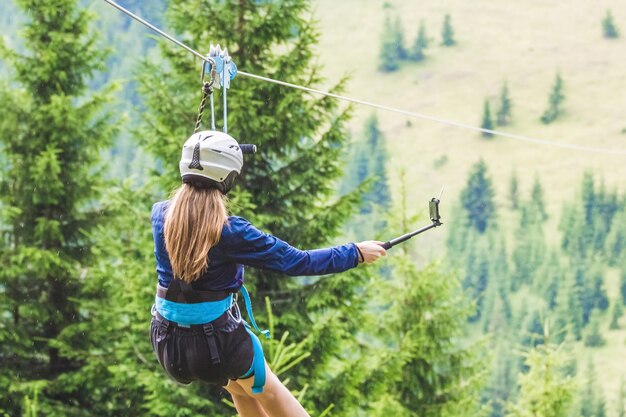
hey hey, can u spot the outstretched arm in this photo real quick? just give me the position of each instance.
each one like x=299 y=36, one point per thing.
x=250 y=246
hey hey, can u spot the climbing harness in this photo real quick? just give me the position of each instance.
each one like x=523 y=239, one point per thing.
x=182 y=306
x=221 y=69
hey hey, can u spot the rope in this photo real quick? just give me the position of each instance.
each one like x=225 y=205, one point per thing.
x=447 y=122
x=207 y=90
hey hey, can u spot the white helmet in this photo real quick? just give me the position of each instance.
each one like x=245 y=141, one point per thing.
x=211 y=159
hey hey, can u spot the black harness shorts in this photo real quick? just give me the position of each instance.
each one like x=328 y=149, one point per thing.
x=212 y=352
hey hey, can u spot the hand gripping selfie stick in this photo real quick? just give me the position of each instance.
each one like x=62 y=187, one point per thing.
x=435 y=218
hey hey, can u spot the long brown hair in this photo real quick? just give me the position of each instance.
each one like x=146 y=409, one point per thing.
x=193 y=225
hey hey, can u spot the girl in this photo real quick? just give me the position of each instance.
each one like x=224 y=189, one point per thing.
x=196 y=330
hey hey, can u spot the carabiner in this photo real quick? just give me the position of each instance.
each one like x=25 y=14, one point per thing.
x=211 y=62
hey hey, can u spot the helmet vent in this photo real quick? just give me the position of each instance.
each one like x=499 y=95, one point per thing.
x=195 y=159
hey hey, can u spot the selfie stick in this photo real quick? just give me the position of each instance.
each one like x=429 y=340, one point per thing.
x=433 y=206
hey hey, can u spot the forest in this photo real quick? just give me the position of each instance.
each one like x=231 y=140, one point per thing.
x=514 y=307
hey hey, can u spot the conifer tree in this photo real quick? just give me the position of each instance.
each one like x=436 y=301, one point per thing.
x=502 y=385
x=476 y=279
x=569 y=311
x=617 y=311
x=460 y=236
x=477 y=198
x=616 y=240
x=366 y=173
x=398 y=36
x=52 y=134
x=514 y=191
x=592 y=401
x=608 y=26
x=493 y=315
x=497 y=310
x=389 y=56
x=487 y=122
x=589 y=282
x=549 y=277
x=374 y=147
x=503 y=116
x=447 y=33
x=587 y=223
x=423 y=369
x=529 y=252
x=554 y=102
x=421 y=43
x=622 y=283
x=589 y=197
x=537 y=200
x=533 y=330
x=594 y=337
x=545 y=389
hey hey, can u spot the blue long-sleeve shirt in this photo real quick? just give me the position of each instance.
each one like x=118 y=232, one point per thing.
x=243 y=244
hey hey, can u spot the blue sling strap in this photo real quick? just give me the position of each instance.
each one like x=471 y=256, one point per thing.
x=258 y=362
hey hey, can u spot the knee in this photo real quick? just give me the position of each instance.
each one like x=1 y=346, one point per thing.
x=235 y=390
x=269 y=394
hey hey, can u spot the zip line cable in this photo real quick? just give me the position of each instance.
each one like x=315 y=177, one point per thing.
x=375 y=105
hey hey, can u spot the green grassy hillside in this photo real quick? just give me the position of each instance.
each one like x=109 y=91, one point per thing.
x=522 y=42
x=525 y=43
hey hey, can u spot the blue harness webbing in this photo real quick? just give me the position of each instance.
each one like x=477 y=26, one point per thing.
x=199 y=313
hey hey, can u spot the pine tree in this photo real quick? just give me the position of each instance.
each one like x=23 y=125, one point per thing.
x=615 y=244
x=533 y=330
x=589 y=197
x=502 y=385
x=388 y=55
x=586 y=224
x=374 y=146
x=497 y=310
x=476 y=278
x=398 y=36
x=514 y=191
x=447 y=33
x=487 y=122
x=530 y=247
x=549 y=277
x=366 y=173
x=569 y=311
x=52 y=136
x=420 y=44
x=537 y=200
x=616 y=313
x=594 y=337
x=477 y=198
x=545 y=389
x=422 y=368
x=503 y=116
x=592 y=401
x=622 y=285
x=608 y=26
x=554 y=102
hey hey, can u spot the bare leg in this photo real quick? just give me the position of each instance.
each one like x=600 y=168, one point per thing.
x=276 y=399
x=246 y=406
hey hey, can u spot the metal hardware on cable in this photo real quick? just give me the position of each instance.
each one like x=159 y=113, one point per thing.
x=221 y=68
